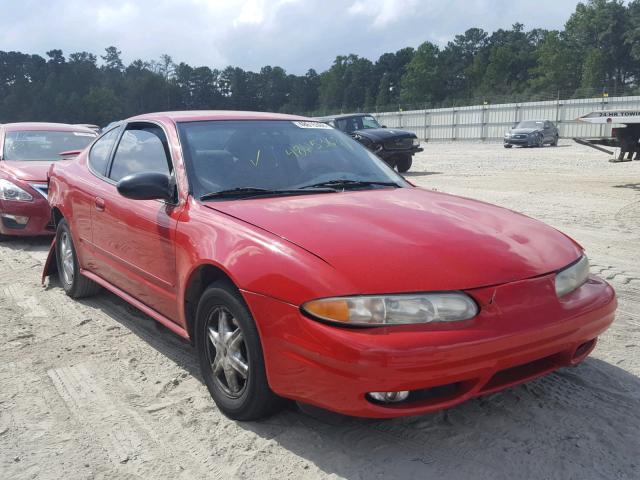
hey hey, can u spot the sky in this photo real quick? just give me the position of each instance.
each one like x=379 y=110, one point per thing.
x=294 y=34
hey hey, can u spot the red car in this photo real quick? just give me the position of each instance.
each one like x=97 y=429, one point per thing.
x=26 y=152
x=302 y=267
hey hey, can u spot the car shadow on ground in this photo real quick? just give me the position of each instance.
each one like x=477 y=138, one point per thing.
x=632 y=186
x=32 y=244
x=542 y=429
x=419 y=174
x=537 y=430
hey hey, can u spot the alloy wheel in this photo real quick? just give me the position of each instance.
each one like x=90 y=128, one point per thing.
x=227 y=352
x=66 y=257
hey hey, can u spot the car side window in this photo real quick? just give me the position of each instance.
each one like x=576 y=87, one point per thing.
x=101 y=150
x=369 y=122
x=142 y=148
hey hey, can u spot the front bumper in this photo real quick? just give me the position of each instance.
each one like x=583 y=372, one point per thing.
x=522 y=332
x=38 y=211
x=384 y=153
x=529 y=141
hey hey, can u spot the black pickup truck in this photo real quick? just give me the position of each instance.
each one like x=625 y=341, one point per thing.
x=396 y=147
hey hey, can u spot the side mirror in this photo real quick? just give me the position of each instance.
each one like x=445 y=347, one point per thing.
x=383 y=126
x=146 y=186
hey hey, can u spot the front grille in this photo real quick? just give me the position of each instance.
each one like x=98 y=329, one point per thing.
x=519 y=136
x=41 y=188
x=399 y=144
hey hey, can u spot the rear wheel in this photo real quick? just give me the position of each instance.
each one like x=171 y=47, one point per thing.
x=540 y=141
x=73 y=282
x=230 y=355
x=554 y=143
x=403 y=163
x=507 y=145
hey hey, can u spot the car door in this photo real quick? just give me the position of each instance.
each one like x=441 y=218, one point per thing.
x=134 y=239
x=549 y=132
x=83 y=193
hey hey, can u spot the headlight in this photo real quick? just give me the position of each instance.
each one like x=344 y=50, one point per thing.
x=393 y=309
x=507 y=135
x=572 y=277
x=416 y=142
x=10 y=191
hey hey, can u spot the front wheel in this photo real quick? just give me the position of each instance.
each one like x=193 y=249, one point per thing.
x=73 y=282
x=540 y=141
x=403 y=163
x=230 y=355
x=507 y=145
x=555 y=141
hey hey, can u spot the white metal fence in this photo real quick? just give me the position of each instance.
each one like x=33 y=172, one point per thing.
x=490 y=122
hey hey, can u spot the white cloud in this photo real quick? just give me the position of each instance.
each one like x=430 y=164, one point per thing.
x=295 y=34
x=384 y=12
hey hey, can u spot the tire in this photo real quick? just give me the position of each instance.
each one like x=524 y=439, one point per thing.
x=227 y=340
x=540 y=141
x=555 y=141
x=391 y=161
x=403 y=164
x=73 y=282
x=507 y=145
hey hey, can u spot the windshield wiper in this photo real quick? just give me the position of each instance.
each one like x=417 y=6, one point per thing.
x=249 y=192
x=345 y=183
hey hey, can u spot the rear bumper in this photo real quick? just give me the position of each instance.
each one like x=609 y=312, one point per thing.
x=521 y=333
x=37 y=211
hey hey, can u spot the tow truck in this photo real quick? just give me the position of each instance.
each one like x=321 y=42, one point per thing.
x=625 y=136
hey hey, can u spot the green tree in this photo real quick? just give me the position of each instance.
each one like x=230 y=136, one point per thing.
x=421 y=82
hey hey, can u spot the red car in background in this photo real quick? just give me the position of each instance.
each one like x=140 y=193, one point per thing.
x=26 y=153
x=302 y=266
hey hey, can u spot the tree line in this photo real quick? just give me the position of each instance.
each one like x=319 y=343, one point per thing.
x=597 y=52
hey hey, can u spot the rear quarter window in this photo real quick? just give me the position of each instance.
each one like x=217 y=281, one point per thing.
x=101 y=152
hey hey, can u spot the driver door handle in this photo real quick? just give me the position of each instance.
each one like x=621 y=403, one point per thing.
x=99 y=202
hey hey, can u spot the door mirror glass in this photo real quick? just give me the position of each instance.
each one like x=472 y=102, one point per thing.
x=146 y=186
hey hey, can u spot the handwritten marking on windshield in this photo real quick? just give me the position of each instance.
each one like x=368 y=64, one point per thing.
x=255 y=164
x=305 y=149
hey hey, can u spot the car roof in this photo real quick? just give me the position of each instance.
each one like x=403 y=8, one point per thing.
x=341 y=116
x=204 y=115
x=46 y=126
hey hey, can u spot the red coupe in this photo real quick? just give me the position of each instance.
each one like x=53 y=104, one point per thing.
x=302 y=267
x=26 y=152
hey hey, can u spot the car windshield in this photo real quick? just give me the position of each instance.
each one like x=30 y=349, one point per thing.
x=280 y=155
x=530 y=124
x=351 y=124
x=43 y=144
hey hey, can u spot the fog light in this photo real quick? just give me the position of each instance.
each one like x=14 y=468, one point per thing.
x=389 y=397
x=16 y=218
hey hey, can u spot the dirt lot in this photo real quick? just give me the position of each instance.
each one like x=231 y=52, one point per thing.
x=93 y=389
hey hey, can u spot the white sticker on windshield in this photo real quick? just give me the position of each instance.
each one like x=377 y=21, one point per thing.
x=320 y=125
x=84 y=134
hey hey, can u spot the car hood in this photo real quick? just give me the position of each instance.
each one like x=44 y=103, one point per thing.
x=525 y=130
x=384 y=133
x=410 y=239
x=30 y=171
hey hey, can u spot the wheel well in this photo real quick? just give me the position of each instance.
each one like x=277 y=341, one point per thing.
x=56 y=216
x=200 y=279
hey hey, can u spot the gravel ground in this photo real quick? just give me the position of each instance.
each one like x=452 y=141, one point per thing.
x=93 y=389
